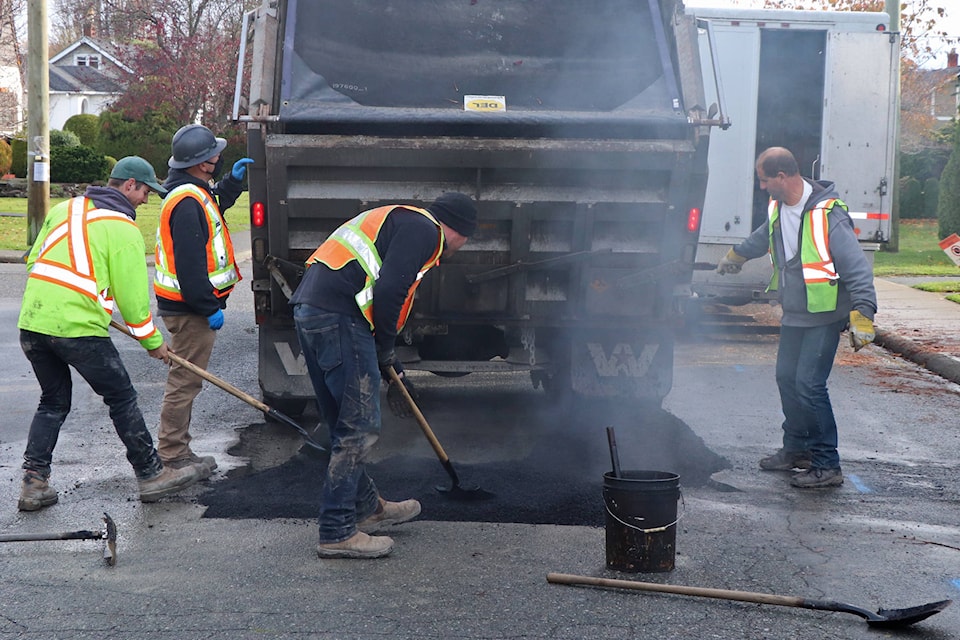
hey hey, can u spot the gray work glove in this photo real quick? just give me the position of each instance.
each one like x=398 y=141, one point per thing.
x=399 y=406
x=731 y=263
x=387 y=361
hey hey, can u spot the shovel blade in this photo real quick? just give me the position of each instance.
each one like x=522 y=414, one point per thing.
x=907 y=616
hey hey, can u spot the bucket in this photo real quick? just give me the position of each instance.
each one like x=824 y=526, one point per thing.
x=641 y=520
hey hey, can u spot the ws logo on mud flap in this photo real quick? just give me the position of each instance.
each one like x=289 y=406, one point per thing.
x=293 y=365
x=622 y=361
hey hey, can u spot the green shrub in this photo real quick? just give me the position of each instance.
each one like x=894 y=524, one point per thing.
x=911 y=198
x=6 y=157
x=111 y=163
x=948 y=208
x=60 y=138
x=18 y=164
x=77 y=164
x=149 y=137
x=931 y=197
x=86 y=126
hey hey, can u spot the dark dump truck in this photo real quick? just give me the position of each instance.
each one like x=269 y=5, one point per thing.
x=578 y=127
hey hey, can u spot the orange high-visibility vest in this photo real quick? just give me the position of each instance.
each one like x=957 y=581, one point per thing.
x=356 y=240
x=222 y=270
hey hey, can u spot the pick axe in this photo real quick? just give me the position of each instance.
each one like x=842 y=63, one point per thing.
x=108 y=533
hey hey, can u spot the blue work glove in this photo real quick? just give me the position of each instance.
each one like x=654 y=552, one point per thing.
x=215 y=320
x=240 y=168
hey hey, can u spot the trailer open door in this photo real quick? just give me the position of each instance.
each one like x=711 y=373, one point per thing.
x=864 y=76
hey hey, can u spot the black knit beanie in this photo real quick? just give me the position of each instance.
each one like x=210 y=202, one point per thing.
x=457 y=211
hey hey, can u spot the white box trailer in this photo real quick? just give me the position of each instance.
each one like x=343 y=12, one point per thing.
x=821 y=83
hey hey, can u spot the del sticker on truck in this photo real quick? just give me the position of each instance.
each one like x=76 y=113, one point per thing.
x=484 y=103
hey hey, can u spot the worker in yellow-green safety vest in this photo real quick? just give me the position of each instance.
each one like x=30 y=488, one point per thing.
x=87 y=261
x=825 y=286
x=355 y=296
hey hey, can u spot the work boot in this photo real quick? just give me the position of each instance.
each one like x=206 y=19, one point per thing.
x=389 y=514
x=784 y=460
x=359 y=545
x=204 y=464
x=168 y=481
x=817 y=478
x=35 y=493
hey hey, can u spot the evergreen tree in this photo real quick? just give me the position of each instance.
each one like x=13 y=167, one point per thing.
x=948 y=209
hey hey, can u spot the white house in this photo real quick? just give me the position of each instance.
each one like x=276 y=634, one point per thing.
x=83 y=79
x=11 y=87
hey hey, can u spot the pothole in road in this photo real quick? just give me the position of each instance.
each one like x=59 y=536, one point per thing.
x=558 y=481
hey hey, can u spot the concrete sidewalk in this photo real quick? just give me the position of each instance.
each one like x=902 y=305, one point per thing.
x=919 y=326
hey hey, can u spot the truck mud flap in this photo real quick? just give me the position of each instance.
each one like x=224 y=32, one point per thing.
x=610 y=365
x=282 y=369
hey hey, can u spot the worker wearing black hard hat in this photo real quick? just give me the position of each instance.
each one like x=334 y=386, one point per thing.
x=195 y=272
x=355 y=296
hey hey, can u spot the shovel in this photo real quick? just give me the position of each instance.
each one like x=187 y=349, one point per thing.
x=232 y=390
x=889 y=618
x=456 y=490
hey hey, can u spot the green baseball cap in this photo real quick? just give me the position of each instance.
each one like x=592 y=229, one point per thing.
x=140 y=170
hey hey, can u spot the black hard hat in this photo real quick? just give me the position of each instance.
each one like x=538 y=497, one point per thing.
x=192 y=145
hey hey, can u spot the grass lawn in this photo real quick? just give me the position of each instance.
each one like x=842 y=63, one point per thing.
x=13 y=229
x=919 y=254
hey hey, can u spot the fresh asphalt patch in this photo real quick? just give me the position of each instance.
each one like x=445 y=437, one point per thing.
x=559 y=481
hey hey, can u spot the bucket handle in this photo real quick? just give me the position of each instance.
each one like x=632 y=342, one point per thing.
x=683 y=510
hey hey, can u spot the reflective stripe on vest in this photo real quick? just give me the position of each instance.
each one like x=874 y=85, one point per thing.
x=80 y=274
x=356 y=240
x=222 y=270
x=819 y=273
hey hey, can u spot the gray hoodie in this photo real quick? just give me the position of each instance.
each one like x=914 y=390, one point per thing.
x=856 y=289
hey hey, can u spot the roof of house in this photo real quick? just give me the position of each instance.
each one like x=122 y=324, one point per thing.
x=82 y=80
x=97 y=46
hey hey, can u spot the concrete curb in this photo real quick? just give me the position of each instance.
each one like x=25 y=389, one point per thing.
x=944 y=366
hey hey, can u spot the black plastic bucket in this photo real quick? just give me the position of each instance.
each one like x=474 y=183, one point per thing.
x=641 y=520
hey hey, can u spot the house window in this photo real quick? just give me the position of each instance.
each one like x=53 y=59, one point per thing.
x=87 y=60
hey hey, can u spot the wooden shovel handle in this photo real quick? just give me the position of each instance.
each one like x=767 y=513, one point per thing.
x=421 y=420
x=722 y=594
x=203 y=373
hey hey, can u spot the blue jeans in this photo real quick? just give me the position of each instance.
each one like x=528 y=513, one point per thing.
x=804 y=361
x=341 y=358
x=97 y=360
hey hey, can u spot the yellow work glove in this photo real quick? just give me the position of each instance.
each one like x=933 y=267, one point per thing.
x=731 y=263
x=861 y=330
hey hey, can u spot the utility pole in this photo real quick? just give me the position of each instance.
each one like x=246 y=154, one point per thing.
x=38 y=118
x=892 y=7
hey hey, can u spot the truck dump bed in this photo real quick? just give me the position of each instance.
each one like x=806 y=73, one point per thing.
x=578 y=130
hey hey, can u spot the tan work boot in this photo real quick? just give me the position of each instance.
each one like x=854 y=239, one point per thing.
x=359 y=545
x=168 y=481
x=203 y=464
x=389 y=514
x=35 y=493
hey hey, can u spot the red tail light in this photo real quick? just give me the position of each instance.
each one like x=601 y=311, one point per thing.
x=258 y=214
x=693 y=220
